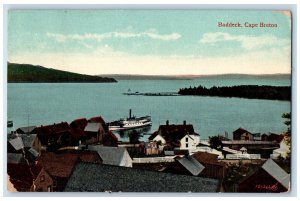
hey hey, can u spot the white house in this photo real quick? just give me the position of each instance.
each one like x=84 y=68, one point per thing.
x=189 y=142
x=180 y=136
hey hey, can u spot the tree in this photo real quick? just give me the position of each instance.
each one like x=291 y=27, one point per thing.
x=216 y=143
x=287 y=134
x=134 y=137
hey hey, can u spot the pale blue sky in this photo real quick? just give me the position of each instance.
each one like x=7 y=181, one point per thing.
x=150 y=41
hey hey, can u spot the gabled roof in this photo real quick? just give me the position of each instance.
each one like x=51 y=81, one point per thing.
x=204 y=157
x=79 y=123
x=277 y=172
x=240 y=131
x=92 y=127
x=28 y=139
x=88 y=177
x=275 y=137
x=153 y=135
x=16 y=143
x=55 y=129
x=97 y=119
x=26 y=129
x=191 y=164
x=174 y=133
x=22 y=175
x=110 y=155
x=61 y=164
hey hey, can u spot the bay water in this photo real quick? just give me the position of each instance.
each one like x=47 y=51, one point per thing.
x=48 y=103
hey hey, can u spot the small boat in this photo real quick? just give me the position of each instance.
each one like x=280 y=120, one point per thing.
x=130 y=122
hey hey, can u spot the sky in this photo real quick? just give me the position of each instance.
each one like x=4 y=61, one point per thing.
x=151 y=42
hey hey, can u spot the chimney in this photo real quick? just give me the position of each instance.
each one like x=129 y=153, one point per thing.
x=129 y=113
x=184 y=122
x=167 y=122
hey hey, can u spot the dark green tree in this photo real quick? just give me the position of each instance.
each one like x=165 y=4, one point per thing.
x=216 y=143
x=134 y=137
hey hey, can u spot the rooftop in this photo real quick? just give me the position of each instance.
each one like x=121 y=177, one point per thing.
x=88 y=177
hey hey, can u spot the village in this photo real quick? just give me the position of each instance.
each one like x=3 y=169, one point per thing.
x=86 y=156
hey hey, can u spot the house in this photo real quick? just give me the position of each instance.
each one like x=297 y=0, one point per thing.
x=99 y=119
x=199 y=164
x=118 y=156
x=94 y=133
x=180 y=136
x=26 y=141
x=88 y=177
x=270 y=178
x=61 y=164
x=29 y=178
x=56 y=135
x=213 y=168
x=242 y=134
x=15 y=144
x=272 y=137
x=151 y=148
x=186 y=165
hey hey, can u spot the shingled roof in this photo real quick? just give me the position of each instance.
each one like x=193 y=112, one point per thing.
x=240 y=131
x=26 y=129
x=277 y=172
x=28 y=139
x=209 y=158
x=110 y=155
x=92 y=127
x=79 y=123
x=88 y=177
x=44 y=132
x=191 y=164
x=61 y=164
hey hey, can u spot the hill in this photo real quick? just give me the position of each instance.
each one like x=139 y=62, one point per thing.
x=144 y=77
x=194 y=77
x=26 y=73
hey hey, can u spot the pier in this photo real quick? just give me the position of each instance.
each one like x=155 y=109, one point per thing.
x=152 y=94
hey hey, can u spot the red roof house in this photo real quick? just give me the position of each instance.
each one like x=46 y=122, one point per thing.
x=60 y=164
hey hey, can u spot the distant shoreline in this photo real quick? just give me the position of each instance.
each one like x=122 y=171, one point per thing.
x=241 y=91
x=193 y=77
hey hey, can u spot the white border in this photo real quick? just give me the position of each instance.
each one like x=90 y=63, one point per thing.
x=187 y=4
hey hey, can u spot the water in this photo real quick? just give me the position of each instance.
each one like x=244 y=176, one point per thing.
x=48 y=103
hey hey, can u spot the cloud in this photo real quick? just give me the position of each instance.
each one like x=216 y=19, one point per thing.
x=247 y=42
x=152 y=34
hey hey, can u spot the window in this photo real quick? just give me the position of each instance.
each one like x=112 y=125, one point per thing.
x=186 y=139
x=42 y=178
x=186 y=145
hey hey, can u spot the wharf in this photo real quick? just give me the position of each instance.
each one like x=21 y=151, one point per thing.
x=152 y=94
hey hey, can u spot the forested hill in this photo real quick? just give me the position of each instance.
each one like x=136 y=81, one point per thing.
x=26 y=73
x=242 y=91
